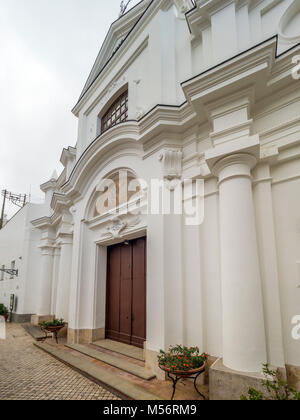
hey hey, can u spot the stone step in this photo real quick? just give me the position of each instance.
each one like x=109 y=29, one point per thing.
x=35 y=331
x=122 y=387
x=121 y=348
x=115 y=361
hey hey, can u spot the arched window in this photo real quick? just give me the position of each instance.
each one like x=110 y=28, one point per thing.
x=116 y=113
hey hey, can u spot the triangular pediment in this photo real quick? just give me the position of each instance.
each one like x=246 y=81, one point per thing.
x=114 y=38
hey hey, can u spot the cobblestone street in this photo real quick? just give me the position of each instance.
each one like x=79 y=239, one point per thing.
x=27 y=373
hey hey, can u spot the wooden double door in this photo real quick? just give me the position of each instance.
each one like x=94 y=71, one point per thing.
x=126 y=293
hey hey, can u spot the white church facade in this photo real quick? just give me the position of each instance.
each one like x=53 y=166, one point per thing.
x=179 y=91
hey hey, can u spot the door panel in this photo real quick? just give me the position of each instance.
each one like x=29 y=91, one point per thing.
x=113 y=292
x=126 y=293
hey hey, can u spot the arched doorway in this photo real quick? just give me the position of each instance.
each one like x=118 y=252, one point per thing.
x=125 y=248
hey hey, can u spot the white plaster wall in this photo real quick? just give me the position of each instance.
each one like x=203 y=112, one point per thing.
x=224 y=33
x=32 y=264
x=11 y=249
x=19 y=242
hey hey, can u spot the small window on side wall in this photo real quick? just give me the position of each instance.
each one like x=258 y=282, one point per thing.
x=116 y=113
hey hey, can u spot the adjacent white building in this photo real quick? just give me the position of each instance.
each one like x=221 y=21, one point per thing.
x=207 y=91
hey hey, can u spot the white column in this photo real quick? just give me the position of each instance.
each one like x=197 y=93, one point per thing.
x=45 y=285
x=55 y=273
x=64 y=278
x=244 y=342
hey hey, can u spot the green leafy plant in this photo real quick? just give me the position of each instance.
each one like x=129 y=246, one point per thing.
x=253 y=395
x=3 y=310
x=54 y=323
x=181 y=358
x=276 y=388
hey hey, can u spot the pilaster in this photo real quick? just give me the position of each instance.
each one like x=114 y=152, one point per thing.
x=45 y=284
x=64 y=276
x=268 y=263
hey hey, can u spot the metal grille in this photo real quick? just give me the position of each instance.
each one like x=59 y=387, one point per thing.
x=117 y=113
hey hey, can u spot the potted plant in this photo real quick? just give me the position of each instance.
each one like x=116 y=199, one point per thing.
x=53 y=327
x=182 y=362
x=4 y=312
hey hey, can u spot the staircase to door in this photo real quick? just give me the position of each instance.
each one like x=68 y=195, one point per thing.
x=126 y=293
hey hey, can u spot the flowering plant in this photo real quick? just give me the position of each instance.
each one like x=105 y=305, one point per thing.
x=182 y=358
x=54 y=323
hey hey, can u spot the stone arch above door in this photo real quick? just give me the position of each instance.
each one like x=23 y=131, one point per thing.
x=115 y=190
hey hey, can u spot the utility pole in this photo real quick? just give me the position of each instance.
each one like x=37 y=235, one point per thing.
x=18 y=200
x=3 y=207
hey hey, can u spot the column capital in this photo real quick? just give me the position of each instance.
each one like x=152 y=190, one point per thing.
x=237 y=165
x=65 y=239
x=46 y=247
x=231 y=153
x=47 y=250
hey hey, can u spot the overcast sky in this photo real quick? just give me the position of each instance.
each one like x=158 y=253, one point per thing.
x=47 y=49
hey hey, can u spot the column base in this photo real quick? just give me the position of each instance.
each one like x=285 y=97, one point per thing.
x=21 y=318
x=85 y=336
x=63 y=332
x=293 y=376
x=37 y=319
x=228 y=384
x=152 y=364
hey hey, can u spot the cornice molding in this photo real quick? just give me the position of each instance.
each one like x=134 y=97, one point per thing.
x=199 y=18
x=281 y=72
x=42 y=223
x=60 y=202
x=49 y=185
x=209 y=7
x=134 y=135
x=68 y=154
x=123 y=137
x=249 y=68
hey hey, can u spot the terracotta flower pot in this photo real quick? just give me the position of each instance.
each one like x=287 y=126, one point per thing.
x=184 y=372
x=54 y=329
